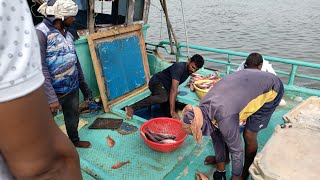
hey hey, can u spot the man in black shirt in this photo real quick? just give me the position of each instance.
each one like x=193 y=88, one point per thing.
x=164 y=85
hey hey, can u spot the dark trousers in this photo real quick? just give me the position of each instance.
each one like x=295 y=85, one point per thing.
x=70 y=109
x=159 y=95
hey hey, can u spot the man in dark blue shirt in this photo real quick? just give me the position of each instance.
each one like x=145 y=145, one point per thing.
x=164 y=85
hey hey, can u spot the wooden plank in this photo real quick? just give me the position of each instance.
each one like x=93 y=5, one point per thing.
x=129 y=19
x=98 y=72
x=145 y=57
x=114 y=32
x=108 y=36
x=128 y=95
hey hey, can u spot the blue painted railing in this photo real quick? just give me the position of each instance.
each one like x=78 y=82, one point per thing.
x=230 y=54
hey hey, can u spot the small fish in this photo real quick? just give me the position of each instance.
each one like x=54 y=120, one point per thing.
x=201 y=176
x=161 y=135
x=155 y=135
x=110 y=141
x=167 y=141
x=119 y=164
x=150 y=137
x=166 y=136
x=206 y=85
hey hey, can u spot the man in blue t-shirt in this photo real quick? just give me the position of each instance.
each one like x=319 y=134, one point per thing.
x=164 y=85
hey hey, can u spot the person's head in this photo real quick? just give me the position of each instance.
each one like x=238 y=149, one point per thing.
x=60 y=11
x=196 y=62
x=68 y=21
x=254 y=61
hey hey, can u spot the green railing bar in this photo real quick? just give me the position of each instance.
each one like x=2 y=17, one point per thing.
x=292 y=74
x=277 y=71
x=283 y=73
x=308 y=77
x=313 y=92
x=270 y=58
x=154 y=44
x=228 y=64
x=299 y=75
x=157 y=45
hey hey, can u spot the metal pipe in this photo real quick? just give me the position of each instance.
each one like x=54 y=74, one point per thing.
x=90 y=15
x=228 y=65
x=295 y=63
x=129 y=19
x=235 y=53
x=146 y=11
x=292 y=75
x=164 y=7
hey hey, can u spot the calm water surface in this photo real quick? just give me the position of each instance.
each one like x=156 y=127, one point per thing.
x=281 y=28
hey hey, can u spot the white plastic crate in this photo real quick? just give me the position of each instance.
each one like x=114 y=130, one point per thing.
x=307 y=112
x=290 y=154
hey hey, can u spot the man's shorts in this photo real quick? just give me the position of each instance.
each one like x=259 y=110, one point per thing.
x=260 y=119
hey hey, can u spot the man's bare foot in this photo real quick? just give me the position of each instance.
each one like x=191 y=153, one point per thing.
x=82 y=144
x=212 y=160
x=129 y=112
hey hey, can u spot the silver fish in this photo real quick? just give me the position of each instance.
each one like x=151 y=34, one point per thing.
x=167 y=141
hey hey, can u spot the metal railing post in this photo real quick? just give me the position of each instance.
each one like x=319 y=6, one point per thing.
x=228 y=65
x=292 y=75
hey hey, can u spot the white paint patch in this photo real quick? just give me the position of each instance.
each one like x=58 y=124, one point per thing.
x=198 y=152
x=298 y=99
x=283 y=102
x=185 y=171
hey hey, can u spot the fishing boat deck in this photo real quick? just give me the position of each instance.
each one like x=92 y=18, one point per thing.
x=146 y=163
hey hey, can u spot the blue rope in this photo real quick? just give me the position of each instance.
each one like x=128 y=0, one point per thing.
x=95 y=109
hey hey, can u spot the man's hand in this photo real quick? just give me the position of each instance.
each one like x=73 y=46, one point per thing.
x=175 y=115
x=54 y=107
x=52 y=154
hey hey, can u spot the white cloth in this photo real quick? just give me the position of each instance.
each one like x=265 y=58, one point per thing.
x=266 y=67
x=20 y=63
x=60 y=9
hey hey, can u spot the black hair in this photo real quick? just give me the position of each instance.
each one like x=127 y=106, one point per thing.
x=198 y=60
x=253 y=60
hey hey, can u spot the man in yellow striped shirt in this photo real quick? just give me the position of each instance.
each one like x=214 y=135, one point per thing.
x=247 y=97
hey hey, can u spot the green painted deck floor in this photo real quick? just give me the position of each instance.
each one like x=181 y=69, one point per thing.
x=146 y=163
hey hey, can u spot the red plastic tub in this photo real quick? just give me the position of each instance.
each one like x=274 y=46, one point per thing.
x=164 y=125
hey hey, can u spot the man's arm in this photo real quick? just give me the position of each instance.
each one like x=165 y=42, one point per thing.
x=172 y=98
x=32 y=144
x=82 y=83
x=49 y=91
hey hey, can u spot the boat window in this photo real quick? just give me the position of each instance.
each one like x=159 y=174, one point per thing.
x=106 y=13
x=138 y=9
